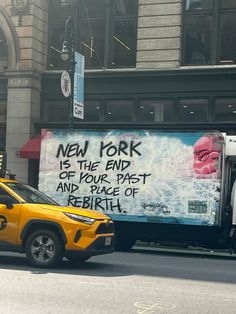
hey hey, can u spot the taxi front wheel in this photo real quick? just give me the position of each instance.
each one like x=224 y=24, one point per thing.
x=43 y=248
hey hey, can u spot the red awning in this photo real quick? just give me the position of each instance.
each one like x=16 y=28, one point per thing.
x=31 y=149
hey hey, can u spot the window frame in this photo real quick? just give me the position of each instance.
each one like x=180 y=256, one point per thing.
x=215 y=12
x=79 y=18
x=117 y=18
x=4 y=59
x=221 y=98
x=170 y=101
x=46 y=113
x=132 y=106
x=190 y=98
x=100 y=110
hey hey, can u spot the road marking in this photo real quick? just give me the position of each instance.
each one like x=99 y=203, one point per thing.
x=148 y=307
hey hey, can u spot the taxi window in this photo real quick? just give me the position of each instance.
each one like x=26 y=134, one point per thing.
x=4 y=192
x=29 y=194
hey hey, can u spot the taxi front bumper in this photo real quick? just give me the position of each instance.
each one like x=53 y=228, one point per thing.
x=101 y=245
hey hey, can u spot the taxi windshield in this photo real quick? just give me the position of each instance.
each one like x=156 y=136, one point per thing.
x=29 y=194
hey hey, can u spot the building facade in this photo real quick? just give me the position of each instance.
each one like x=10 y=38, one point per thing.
x=160 y=64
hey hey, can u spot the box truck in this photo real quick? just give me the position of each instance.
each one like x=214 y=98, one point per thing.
x=173 y=187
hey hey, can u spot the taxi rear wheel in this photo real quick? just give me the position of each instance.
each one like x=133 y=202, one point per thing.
x=43 y=248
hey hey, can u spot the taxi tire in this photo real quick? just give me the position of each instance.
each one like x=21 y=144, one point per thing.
x=58 y=254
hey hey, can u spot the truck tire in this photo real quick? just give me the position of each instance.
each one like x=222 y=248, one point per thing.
x=123 y=243
x=43 y=248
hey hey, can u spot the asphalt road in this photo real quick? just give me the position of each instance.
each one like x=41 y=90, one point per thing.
x=143 y=281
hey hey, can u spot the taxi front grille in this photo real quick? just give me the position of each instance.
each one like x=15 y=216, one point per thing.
x=105 y=228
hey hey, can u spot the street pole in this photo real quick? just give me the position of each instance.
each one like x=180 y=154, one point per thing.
x=71 y=98
x=68 y=54
x=72 y=75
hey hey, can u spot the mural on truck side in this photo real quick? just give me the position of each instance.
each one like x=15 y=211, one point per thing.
x=135 y=175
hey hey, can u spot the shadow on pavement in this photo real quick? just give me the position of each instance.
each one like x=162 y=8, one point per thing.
x=190 y=266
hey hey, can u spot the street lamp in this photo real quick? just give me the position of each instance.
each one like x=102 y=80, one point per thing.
x=65 y=53
x=68 y=54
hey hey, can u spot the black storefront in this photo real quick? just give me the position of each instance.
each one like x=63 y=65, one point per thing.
x=178 y=99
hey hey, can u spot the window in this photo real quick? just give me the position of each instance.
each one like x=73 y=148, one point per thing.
x=3 y=119
x=56 y=111
x=3 y=52
x=197 y=39
x=92 y=110
x=228 y=38
x=56 y=40
x=229 y=4
x=93 y=9
x=5 y=193
x=155 y=111
x=193 y=110
x=92 y=43
x=3 y=112
x=199 y=4
x=105 y=32
x=57 y=17
x=124 y=43
x=124 y=35
x=2 y=137
x=119 y=111
x=29 y=194
x=209 y=32
x=225 y=109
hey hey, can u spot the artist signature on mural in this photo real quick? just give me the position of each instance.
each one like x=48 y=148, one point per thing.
x=160 y=207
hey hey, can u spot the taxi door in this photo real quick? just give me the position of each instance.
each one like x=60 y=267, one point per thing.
x=9 y=221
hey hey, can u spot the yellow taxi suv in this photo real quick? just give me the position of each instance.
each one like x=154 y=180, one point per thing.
x=34 y=224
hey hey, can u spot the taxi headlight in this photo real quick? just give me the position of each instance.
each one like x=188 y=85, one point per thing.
x=84 y=219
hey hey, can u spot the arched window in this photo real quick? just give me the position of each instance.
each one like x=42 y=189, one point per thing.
x=3 y=52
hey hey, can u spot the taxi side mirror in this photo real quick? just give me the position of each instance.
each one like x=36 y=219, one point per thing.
x=6 y=200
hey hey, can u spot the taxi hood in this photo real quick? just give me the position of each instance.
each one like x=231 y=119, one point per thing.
x=76 y=210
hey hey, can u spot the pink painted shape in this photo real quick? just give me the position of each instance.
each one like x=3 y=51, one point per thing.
x=206 y=157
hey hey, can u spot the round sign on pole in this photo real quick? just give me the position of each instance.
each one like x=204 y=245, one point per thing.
x=66 y=84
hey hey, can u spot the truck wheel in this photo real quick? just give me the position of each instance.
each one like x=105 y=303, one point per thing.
x=123 y=244
x=43 y=248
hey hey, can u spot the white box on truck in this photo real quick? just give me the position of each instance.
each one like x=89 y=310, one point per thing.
x=143 y=179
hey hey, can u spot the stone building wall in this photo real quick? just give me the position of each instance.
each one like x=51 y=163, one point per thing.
x=159 y=34
x=27 y=47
